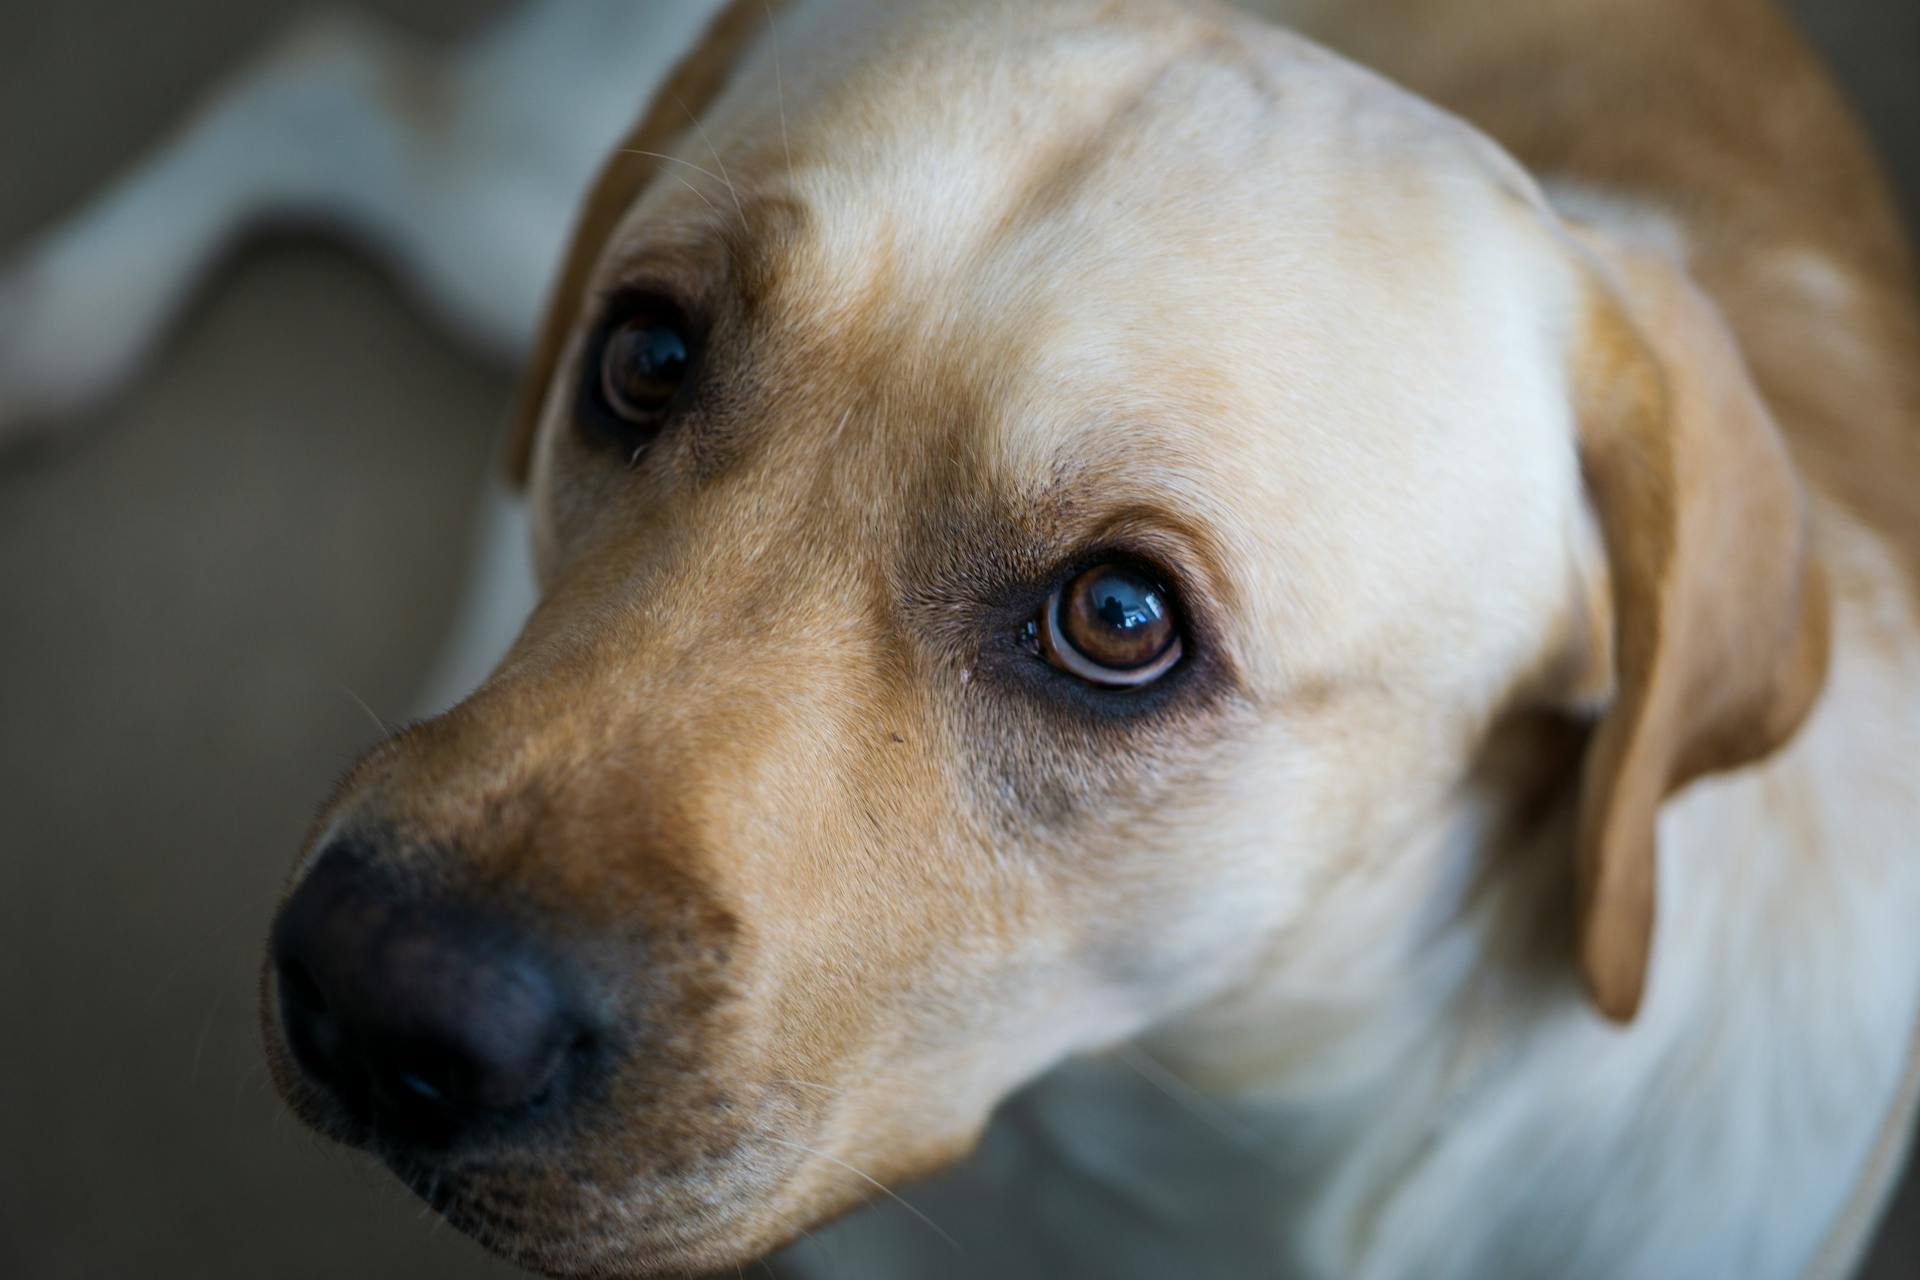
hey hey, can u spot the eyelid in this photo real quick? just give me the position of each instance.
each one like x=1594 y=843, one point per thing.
x=1177 y=551
x=675 y=276
x=618 y=305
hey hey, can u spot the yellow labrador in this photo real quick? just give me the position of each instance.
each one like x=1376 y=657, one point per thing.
x=1074 y=523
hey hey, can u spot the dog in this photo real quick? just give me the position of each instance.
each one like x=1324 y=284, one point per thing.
x=1383 y=599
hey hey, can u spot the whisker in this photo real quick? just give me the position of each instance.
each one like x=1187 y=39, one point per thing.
x=703 y=200
x=872 y=1182
x=840 y=428
x=806 y=1084
x=1193 y=1102
x=206 y=940
x=779 y=87
x=714 y=151
x=206 y=1028
x=361 y=702
x=248 y=1077
x=802 y=1234
x=661 y=155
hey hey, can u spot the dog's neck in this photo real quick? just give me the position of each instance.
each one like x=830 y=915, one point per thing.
x=1732 y=1124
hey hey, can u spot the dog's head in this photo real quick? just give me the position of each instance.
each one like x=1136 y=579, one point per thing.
x=1040 y=509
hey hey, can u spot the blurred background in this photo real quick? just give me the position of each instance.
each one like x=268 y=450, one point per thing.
x=208 y=592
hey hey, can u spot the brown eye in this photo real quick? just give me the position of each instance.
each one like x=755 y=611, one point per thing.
x=642 y=367
x=1112 y=626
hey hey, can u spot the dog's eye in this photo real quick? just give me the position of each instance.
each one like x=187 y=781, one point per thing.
x=643 y=364
x=1112 y=626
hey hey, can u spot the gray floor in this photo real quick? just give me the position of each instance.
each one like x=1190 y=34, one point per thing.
x=195 y=599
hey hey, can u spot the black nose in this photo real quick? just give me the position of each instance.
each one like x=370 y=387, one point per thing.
x=426 y=1022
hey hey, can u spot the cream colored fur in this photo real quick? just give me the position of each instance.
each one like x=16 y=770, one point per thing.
x=1317 y=1011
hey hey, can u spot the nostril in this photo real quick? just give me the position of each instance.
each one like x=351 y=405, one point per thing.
x=581 y=1053
x=311 y=1031
x=571 y=1062
x=298 y=987
x=419 y=1086
x=424 y=1093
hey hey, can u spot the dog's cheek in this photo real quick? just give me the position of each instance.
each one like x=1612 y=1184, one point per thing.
x=1043 y=779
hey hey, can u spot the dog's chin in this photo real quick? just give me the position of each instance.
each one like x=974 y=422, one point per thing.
x=584 y=1230
x=541 y=1213
x=545 y=1214
x=536 y=1214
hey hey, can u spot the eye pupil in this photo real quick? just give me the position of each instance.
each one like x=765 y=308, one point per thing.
x=1111 y=625
x=1124 y=612
x=642 y=367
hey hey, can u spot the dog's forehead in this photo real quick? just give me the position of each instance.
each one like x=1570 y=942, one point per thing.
x=1033 y=152
x=1142 y=217
x=1173 y=263
x=1119 y=210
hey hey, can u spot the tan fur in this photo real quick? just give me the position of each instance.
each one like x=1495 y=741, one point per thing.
x=1720 y=625
x=693 y=84
x=991 y=288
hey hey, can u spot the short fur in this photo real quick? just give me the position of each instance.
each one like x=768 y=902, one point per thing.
x=1525 y=856
x=1443 y=473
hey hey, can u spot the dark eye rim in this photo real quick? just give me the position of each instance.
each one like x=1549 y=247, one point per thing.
x=1059 y=652
x=592 y=412
x=985 y=618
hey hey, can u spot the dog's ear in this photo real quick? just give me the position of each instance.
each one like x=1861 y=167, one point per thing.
x=695 y=82
x=1719 y=612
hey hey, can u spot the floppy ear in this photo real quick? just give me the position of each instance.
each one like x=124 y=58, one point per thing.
x=1720 y=622
x=695 y=82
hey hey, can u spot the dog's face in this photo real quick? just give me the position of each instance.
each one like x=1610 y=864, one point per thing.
x=1036 y=510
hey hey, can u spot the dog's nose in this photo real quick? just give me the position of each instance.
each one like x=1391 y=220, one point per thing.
x=426 y=1022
